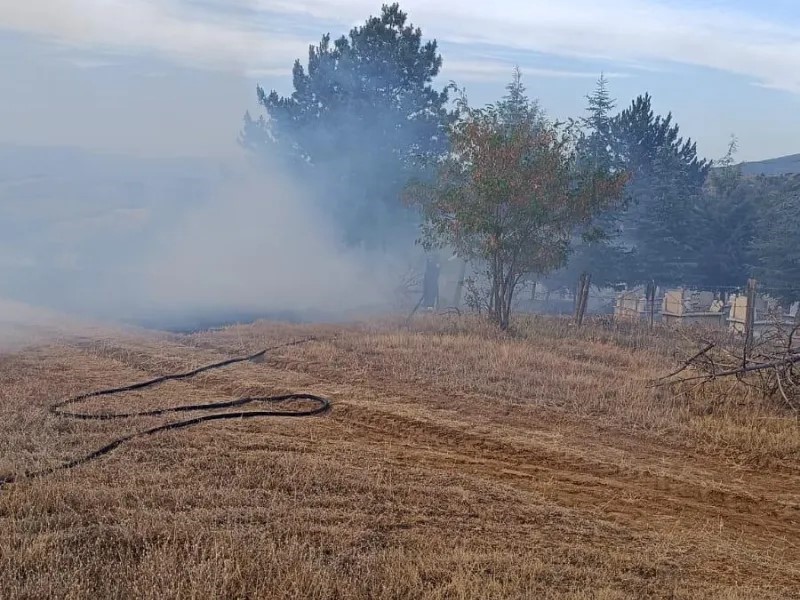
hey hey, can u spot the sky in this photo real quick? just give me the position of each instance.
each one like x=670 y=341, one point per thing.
x=174 y=77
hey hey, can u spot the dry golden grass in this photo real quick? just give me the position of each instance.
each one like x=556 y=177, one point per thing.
x=456 y=463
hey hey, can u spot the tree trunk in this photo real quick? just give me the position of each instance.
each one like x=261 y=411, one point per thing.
x=503 y=286
x=460 y=284
x=506 y=316
x=505 y=292
x=496 y=296
x=431 y=284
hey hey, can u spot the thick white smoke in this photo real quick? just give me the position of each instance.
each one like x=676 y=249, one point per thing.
x=261 y=244
x=246 y=242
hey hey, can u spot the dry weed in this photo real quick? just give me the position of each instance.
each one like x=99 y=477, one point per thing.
x=458 y=462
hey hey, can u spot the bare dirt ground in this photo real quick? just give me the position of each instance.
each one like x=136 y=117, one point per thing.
x=456 y=463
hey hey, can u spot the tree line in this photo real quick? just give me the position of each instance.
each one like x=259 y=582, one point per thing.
x=618 y=193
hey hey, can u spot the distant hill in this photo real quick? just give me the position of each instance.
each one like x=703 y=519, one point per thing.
x=783 y=165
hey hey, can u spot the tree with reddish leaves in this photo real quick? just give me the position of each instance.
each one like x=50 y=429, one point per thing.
x=510 y=194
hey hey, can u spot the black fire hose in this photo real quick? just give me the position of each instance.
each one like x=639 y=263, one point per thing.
x=322 y=405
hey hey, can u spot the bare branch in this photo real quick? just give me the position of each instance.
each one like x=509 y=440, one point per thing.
x=687 y=363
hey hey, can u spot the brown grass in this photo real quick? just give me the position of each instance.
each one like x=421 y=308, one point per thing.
x=457 y=463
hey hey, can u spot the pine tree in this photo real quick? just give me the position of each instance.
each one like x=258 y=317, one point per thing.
x=596 y=247
x=516 y=106
x=722 y=226
x=360 y=119
x=598 y=141
x=776 y=244
x=666 y=178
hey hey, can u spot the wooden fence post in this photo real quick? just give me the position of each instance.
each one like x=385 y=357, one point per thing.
x=749 y=319
x=651 y=301
x=583 y=297
x=585 y=303
x=579 y=295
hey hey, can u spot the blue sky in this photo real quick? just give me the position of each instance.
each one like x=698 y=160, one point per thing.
x=172 y=77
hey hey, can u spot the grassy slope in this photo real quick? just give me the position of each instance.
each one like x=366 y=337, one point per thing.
x=456 y=463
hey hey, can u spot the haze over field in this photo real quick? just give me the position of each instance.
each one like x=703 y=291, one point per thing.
x=103 y=214
x=170 y=240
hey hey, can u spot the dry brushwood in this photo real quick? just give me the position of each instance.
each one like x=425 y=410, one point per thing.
x=771 y=365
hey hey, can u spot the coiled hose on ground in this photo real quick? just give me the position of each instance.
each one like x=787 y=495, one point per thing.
x=321 y=403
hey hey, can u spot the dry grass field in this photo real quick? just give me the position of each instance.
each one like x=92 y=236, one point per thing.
x=455 y=463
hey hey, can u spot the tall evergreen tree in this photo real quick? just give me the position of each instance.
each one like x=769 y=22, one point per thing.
x=361 y=115
x=776 y=244
x=722 y=226
x=596 y=248
x=597 y=140
x=516 y=106
x=650 y=234
x=666 y=178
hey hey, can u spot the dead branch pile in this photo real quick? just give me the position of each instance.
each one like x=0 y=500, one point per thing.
x=770 y=364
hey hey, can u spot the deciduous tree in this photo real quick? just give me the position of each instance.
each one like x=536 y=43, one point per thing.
x=510 y=194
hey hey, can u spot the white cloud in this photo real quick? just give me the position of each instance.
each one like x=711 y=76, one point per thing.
x=624 y=31
x=616 y=30
x=163 y=27
x=90 y=63
x=500 y=71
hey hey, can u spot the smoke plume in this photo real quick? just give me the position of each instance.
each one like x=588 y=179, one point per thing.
x=177 y=244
